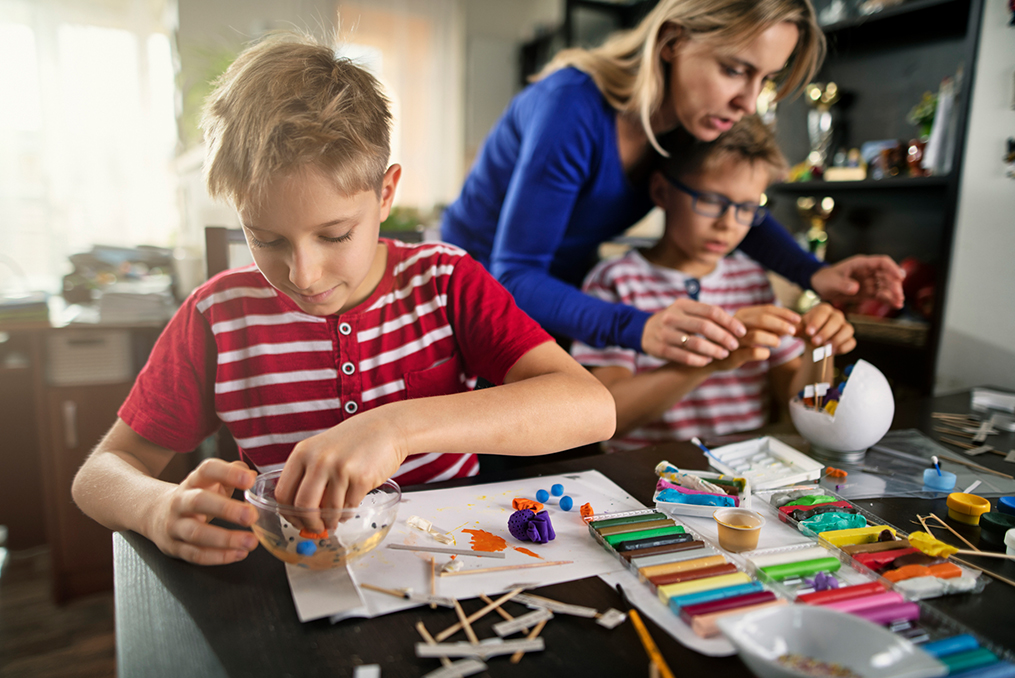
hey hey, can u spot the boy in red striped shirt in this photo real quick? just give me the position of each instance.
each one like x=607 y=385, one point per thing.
x=338 y=357
x=710 y=194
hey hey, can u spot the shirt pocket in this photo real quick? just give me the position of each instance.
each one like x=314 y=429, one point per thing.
x=441 y=379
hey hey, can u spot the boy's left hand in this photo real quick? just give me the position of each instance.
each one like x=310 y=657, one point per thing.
x=336 y=468
x=826 y=324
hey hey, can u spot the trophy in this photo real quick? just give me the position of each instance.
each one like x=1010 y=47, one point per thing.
x=816 y=213
x=821 y=120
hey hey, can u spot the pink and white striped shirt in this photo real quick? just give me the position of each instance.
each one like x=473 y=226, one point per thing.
x=726 y=402
x=241 y=353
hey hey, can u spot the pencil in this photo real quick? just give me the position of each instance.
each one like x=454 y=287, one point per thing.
x=650 y=647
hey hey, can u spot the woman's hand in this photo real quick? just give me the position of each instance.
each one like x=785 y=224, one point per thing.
x=825 y=324
x=861 y=277
x=337 y=468
x=689 y=332
x=179 y=526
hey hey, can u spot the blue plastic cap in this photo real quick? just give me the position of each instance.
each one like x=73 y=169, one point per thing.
x=942 y=483
x=1006 y=505
x=557 y=489
x=566 y=502
x=542 y=496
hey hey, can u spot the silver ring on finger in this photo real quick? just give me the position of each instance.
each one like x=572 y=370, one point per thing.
x=683 y=340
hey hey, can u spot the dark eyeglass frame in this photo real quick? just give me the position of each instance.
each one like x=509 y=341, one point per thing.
x=757 y=212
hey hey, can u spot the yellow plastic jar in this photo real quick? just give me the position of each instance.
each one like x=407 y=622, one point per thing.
x=966 y=508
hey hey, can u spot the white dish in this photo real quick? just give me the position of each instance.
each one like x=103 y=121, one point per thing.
x=830 y=636
x=766 y=462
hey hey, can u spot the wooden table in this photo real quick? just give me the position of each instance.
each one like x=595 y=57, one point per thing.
x=176 y=619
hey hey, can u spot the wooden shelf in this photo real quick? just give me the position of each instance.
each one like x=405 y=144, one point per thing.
x=890 y=330
x=907 y=183
x=889 y=13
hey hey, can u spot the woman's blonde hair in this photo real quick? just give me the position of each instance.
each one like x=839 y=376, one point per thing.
x=628 y=68
x=288 y=104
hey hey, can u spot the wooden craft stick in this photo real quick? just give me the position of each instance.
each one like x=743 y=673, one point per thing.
x=391 y=592
x=985 y=571
x=952 y=530
x=476 y=615
x=499 y=610
x=445 y=549
x=517 y=656
x=523 y=566
x=430 y=641
x=433 y=580
x=465 y=624
x=650 y=646
x=963 y=462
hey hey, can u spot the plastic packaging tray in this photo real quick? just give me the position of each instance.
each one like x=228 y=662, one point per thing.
x=766 y=462
x=674 y=509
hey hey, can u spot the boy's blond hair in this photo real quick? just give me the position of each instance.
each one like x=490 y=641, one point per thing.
x=289 y=104
x=628 y=68
x=749 y=140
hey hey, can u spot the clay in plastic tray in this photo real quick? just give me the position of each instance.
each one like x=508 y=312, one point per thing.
x=674 y=509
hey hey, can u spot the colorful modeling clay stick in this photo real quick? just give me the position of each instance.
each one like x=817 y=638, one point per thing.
x=615 y=539
x=844 y=593
x=954 y=645
x=875 y=546
x=665 y=469
x=651 y=542
x=834 y=521
x=779 y=500
x=695 y=498
x=893 y=612
x=789 y=556
x=665 y=548
x=918 y=588
x=678 y=602
x=802 y=568
x=691 y=575
x=965 y=661
x=856 y=535
x=876 y=600
x=811 y=500
x=705 y=625
x=605 y=521
x=917 y=558
x=684 y=566
x=804 y=512
x=882 y=558
x=669 y=590
x=689 y=612
x=943 y=571
x=996 y=670
x=931 y=546
x=674 y=557
x=635 y=527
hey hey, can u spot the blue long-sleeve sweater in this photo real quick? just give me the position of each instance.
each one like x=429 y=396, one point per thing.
x=547 y=189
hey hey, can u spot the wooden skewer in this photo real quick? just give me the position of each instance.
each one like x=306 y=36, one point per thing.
x=465 y=623
x=923 y=521
x=391 y=592
x=502 y=568
x=430 y=641
x=963 y=462
x=517 y=656
x=986 y=572
x=499 y=610
x=952 y=530
x=476 y=615
x=433 y=580
x=987 y=554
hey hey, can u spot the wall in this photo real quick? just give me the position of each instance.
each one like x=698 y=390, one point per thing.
x=978 y=344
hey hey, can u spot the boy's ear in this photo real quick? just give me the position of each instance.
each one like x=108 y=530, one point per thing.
x=388 y=186
x=659 y=190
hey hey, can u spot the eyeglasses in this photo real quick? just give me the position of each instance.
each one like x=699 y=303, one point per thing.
x=714 y=205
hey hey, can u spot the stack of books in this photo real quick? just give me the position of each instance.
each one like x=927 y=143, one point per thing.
x=27 y=307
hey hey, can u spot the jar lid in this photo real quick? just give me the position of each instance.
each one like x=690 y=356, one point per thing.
x=997 y=522
x=1006 y=505
x=970 y=504
x=1009 y=540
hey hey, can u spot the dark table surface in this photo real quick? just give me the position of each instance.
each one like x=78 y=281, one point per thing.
x=176 y=619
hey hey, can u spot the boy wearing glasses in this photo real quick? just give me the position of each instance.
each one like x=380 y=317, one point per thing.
x=710 y=194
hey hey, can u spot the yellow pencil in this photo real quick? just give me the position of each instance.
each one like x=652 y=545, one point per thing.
x=650 y=647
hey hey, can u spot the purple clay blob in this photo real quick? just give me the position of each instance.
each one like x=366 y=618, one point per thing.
x=518 y=522
x=539 y=528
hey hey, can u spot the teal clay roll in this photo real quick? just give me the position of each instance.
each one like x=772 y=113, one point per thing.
x=968 y=660
x=826 y=522
x=802 y=568
x=615 y=539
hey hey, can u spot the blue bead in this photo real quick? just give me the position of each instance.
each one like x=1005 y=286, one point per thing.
x=566 y=502
x=306 y=548
x=557 y=490
x=542 y=496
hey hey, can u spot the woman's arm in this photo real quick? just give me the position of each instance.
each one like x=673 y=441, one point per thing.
x=771 y=245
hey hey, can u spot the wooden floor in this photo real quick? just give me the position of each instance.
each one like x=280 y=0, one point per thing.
x=43 y=640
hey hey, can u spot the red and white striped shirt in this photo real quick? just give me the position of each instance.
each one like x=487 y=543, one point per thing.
x=726 y=402
x=241 y=353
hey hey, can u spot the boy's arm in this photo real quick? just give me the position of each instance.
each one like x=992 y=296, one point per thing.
x=548 y=402
x=118 y=486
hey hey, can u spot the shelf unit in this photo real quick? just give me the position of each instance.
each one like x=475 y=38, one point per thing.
x=883 y=63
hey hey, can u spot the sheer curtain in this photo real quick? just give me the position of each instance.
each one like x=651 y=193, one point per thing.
x=87 y=132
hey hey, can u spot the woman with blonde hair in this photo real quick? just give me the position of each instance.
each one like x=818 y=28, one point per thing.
x=566 y=168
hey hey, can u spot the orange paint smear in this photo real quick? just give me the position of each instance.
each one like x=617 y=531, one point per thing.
x=528 y=552
x=484 y=541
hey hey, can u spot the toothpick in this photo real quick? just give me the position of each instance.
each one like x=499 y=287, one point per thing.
x=517 y=656
x=985 y=571
x=430 y=641
x=451 y=630
x=465 y=624
x=824 y=364
x=445 y=549
x=952 y=530
x=499 y=610
x=433 y=580
x=391 y=592
x=923 y=521
x=483 y=570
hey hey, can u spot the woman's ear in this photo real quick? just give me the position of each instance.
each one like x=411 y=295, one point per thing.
x=659 y=190
x=670 y=36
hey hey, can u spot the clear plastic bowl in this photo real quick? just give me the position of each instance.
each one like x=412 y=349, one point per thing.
x=349 y=533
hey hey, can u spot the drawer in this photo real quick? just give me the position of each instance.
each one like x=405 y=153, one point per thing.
x=80 y=357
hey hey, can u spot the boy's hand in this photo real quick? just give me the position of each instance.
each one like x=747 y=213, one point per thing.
x=180 y=527
x=825 y=324
x=767 y=324
x=688 y=332
x=337 y=468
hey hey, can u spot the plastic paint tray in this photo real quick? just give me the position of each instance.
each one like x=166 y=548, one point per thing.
x=766 y=462
x=674 y=509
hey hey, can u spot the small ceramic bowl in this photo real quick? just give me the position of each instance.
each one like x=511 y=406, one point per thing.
x=771 y=642
x=739 y=528
x=349 y=533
